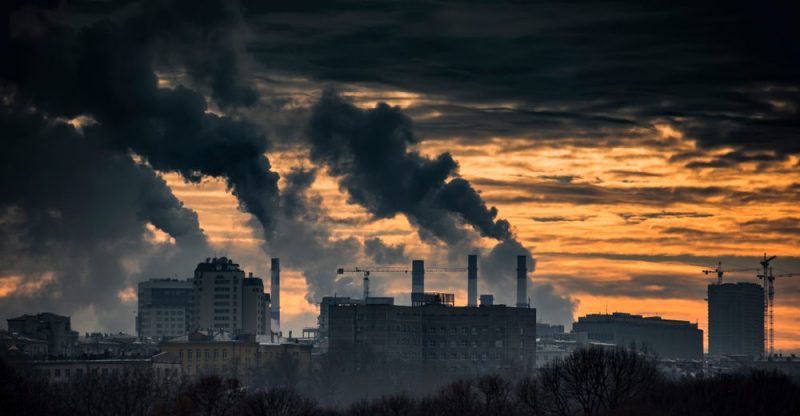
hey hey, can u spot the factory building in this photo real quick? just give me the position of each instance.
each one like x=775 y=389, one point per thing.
x=163 y=307
x=665 y=337
x=736 y=319
x=439 y=337
x=432 y=334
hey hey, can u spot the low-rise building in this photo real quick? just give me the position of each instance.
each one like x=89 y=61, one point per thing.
x=163 y=365
x=201 y=353
x=438 y=337
x=665 y=338
x=55 y=330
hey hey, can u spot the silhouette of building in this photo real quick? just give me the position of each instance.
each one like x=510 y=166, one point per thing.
x=54 y=329
x=255 y=307
x=665 y=337
x=736 y=319
x=217 y=296
x=224 y=300
x=438 y=337
x=163 y=307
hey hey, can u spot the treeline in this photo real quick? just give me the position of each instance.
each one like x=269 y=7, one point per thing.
x=589 y=382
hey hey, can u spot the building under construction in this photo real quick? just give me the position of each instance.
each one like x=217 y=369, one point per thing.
x=432 y=333
x=736 y=319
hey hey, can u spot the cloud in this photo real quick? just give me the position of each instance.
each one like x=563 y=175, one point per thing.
x=641 y=217
x=559 y=218
x=554 y=71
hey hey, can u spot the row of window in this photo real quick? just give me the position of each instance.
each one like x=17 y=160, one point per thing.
x=200 y=354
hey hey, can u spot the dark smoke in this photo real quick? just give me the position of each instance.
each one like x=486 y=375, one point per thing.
x=80 y=211
x=78 y=205
x=381 y=253
x=368 y=150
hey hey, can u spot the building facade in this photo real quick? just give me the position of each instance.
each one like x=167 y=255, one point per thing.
x=54 y=329
x=736 y=319
x=456 y=340
x=217 y=296
x=163 y=366
x=255 y=307
x=163 y=307
x=666 y=338
x=200 y=353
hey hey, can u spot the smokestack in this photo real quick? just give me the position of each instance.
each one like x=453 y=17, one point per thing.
x=522 y=281
x=366 y=288
x=417 y=279
x=472 y=280
x=275 y=294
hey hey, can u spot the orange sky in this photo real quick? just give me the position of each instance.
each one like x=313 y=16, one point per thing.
x=580 y=246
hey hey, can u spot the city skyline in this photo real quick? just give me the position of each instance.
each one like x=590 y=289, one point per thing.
x=626 y=148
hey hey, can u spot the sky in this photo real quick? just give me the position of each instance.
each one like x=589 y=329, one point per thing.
x=624 y=146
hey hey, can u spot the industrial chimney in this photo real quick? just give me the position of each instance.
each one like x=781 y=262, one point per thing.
x=366 y=288
x=417 y=280
x=275 y=294
x=522 y=281
x=472 y=280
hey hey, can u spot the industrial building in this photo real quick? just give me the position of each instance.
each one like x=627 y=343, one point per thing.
x=163 y=307
x=736 y=319
x=666 y=338
x=432 y=333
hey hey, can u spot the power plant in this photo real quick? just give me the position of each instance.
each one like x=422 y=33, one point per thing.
x=432 y=334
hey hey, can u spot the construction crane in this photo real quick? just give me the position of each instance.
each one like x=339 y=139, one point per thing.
x=720 y=272
x=768 y=282
x=367 y=270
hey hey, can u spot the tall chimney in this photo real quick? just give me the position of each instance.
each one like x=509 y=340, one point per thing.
x=275 y=294
x=472 y=280
x=366 y=288
x=417 y=280
x=522 y=281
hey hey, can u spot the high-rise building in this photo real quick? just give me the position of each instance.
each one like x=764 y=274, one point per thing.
x=217 y=297
x=163 y=307
x=665 y=337
x=736 y=319
x=255 y=307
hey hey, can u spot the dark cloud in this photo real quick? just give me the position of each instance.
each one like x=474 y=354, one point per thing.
x=559 y=218
x=565 y=179
x=735 y=158
x=559 y=70
x=636 y=218
x=787 y=226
